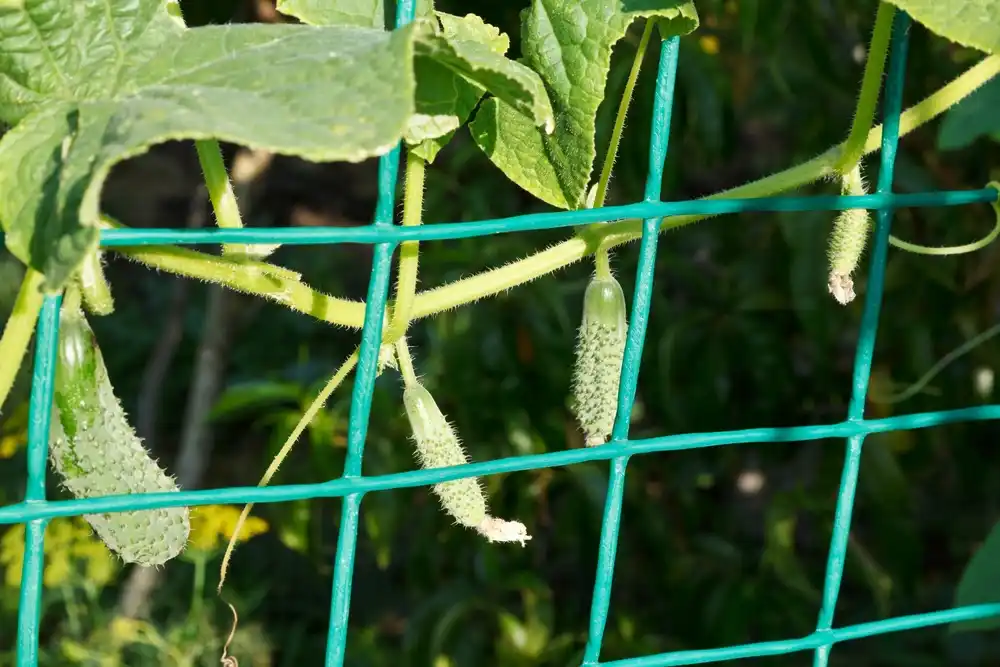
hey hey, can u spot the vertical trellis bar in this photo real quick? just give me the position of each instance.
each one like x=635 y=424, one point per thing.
x=40 y=415
x=662 y=107
x=364 y=386
x=892 y=107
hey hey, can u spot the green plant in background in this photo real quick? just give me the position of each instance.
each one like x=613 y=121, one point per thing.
x=75 y=117
x=79 y=569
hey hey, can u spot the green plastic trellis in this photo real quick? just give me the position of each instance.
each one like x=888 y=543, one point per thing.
x=36 y=511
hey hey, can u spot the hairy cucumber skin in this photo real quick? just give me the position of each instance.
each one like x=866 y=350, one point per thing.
x=438 y=446
x=599 y=355
x=96 y=452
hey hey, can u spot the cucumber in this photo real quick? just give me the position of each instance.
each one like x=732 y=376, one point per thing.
x=438 y=446
x=599 y=354
x=97 y=453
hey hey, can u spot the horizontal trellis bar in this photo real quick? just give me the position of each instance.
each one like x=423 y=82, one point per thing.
x=813 y=641
x=111 y=238
x=22 y=512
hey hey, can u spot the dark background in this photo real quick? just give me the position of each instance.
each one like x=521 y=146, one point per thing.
x=742 y=333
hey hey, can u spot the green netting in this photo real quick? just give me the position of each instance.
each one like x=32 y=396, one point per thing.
x=35 y=510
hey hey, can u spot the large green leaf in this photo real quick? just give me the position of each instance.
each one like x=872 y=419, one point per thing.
x=980 y=583
x=974 y=23
x=86 y=101
x=459 y=59
x=361 y=13
x=976 y=116
x=569 y=43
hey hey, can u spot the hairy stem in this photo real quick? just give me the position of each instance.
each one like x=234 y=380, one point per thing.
x=409 y=251
x=251 y=277
x=603 y=260
x=602 y=263
x=247 y=166
x=307 y=417
x=871 y=84
x=17 y=332
x=96 y=291
x=405 y=363
x=616 y=132
x=220 y=189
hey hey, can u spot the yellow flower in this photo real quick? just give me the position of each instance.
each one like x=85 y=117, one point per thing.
x=214 y=525
x=68 y=543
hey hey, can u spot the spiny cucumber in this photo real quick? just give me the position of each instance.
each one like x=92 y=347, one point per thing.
x=96 y=452
x=847 y=239
x=599 y=353
x=438 y=447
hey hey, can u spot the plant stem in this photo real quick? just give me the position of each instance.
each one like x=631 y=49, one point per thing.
x=251 y=277
x=871 y=84
x=220 y=189
x=17 y=332
x=409 y=251
x=405 y=362
x=602 y=263
x=198 y=588
x=307 y=417
x=72 y=611
x=96 y=291
x=602 y=256
x=501 y=279
x=940 y=101
x=957 y=249
x=616 y=132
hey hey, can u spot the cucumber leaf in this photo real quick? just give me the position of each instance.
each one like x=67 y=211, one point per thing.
x=973 y=23
x=569 y=43
x=458 y=60
x=90 y=83
x=360 y=13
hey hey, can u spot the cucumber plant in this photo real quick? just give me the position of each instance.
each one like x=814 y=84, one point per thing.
x=87 y=84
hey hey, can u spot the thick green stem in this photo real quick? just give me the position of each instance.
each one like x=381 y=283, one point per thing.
x=871 y=84
x=17 y=332
x=602 y=263
x=409 y=251
x=220 y=189
x=321 y=398
x=251 y=277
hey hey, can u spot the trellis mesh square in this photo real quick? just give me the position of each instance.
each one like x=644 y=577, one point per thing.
x=35 y=511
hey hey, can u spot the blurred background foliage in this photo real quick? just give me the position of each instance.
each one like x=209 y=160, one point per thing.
x=718 y=546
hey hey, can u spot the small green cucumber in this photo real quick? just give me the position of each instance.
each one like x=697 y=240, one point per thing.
x=847 y=240
x=599 y=353
x=96 y=452
x=438 y=447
